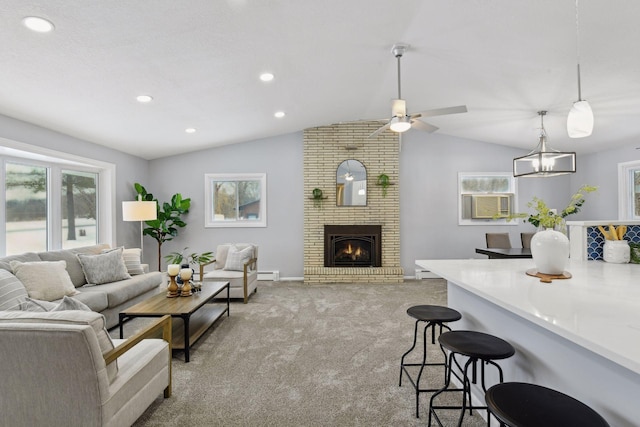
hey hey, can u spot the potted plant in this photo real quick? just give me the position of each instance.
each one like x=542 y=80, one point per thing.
x=550 y=248
x=384 y=182
x=186 y=260
x=316 y=195
x=165 y=227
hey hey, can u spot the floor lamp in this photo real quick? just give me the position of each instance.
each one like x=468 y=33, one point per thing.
x=139 y=210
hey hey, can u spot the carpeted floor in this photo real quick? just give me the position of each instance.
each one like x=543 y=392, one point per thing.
x=298 y=355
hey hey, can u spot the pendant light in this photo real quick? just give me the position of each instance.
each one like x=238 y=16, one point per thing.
x=544 y=161
x=580 y=119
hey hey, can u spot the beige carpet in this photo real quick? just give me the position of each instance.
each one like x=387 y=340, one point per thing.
x=298 y=355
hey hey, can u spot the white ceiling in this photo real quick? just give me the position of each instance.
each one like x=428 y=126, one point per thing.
x=200 y=60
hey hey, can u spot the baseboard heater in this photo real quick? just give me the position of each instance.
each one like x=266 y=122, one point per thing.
x=269 y=275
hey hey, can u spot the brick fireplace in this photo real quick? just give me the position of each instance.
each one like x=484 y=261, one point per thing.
x=324 y=149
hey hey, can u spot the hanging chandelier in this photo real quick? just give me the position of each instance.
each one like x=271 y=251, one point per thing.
x=580 y=118
x=544 y=161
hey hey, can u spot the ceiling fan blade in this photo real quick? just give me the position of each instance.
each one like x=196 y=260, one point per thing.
x=420 y=125
x=442 y=111
x=380 y=130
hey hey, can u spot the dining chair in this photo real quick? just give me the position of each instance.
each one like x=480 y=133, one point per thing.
x=525 y=238
x=498 y=240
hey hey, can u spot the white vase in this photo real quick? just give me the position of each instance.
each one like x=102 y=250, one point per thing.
x=616 y=251
x=550 y=251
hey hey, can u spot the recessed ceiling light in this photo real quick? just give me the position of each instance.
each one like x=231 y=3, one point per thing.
x=144 y=98
x=279 y=114
x=35 y=23
x=266 y=77
x=190 y=130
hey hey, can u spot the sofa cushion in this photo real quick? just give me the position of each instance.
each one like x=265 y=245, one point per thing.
x=80 y=317
x=25 y=257
x=104 y=268
x=132 y=261
x=124 y=290
x=96 y=301
x=12 y=291
x=73 y=264
x=237 y=258
x=45 y=280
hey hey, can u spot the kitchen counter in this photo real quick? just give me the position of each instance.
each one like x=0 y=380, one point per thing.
x=580 y=336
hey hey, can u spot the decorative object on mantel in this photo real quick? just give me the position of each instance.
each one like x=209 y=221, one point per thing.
x=580 y=118
x=615 y=250
x=316 y=195
x=172 y=290
x=384 y=182
x=547 y=278
x=550 y=248
x=544 y=161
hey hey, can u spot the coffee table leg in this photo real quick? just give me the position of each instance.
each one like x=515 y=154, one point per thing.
x=121 y=321
x=185 y=318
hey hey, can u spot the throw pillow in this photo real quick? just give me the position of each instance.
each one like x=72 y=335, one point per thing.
x=31 y=304
x=44 y=280
x=236 y=259
x=69 y=303
x=132 y=261
x=104 y=268
x=12 y=291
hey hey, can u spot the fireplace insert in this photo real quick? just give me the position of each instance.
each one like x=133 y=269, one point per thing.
x=352 y=245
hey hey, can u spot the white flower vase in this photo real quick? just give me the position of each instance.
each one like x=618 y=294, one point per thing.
x=550 y=251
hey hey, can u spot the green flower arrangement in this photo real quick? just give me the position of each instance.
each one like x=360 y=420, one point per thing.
x=545 y=217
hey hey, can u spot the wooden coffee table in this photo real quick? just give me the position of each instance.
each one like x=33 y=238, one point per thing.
x=197 y=316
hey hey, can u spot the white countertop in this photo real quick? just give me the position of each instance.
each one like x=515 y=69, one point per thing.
x=598 y=308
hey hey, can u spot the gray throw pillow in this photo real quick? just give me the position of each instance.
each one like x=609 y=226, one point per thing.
x=31 y=304
x=236 y=259
x=69 y=303
x=132 y=260
x=104 y=268
x=12 y=291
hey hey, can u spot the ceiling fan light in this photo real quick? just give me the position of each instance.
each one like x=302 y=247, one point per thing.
x=580 y=120
x=400 y=124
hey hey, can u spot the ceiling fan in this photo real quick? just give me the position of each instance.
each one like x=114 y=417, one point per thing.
x=401 y=121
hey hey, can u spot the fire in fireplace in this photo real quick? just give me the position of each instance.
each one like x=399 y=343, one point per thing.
x=352 y=245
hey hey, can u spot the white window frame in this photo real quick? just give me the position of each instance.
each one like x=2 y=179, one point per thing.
x=210 y=178
x=625 y=190
x=487 y=221
x=18 y=152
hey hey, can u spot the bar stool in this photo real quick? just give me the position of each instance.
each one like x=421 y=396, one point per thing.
x=529 y=405
x=476 y=346
x=433 y=315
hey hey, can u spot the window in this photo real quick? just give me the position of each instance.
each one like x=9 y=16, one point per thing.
x=236 y=200
x=53 y=200
x=629 y=190
x=486 y=198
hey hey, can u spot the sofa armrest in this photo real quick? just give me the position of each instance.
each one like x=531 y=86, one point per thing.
x=151 y=331
x=202 y=266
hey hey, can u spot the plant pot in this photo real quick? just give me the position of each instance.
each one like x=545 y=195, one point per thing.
x=550 y=251
x=616 y=251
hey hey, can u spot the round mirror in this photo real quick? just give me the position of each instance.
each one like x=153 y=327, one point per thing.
x=351 y=184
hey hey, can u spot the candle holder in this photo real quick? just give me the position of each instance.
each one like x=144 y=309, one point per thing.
x=185 y=275
x=172 y=289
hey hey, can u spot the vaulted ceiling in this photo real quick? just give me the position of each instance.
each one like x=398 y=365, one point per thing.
x=200 y=61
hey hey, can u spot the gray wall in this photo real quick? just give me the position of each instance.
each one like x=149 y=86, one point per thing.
x=129 y=169
x=428 y=189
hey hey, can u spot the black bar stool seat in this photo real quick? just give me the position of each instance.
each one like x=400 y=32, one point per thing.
x=530 y=405
x=434 y=316
x=475 y=346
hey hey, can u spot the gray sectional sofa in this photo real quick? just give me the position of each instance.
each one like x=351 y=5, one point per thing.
x=108 y=298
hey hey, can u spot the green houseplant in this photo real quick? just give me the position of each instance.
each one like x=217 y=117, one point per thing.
x=165 y=227
x=384 y=182
x=183 y=258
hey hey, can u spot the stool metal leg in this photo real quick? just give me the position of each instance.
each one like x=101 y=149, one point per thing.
x=415 y=339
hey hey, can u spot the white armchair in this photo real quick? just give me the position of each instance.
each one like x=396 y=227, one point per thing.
x=60 y=368
x=236 y=263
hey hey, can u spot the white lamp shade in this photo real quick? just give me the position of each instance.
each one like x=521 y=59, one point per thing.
x=580 y=120
x=139 y=211
x=400 y=124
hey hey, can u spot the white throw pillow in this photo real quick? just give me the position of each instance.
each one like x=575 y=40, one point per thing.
x=44 y=280
x=12 y=292
x=236 y=259
x=132 y=261
x=104 y=268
